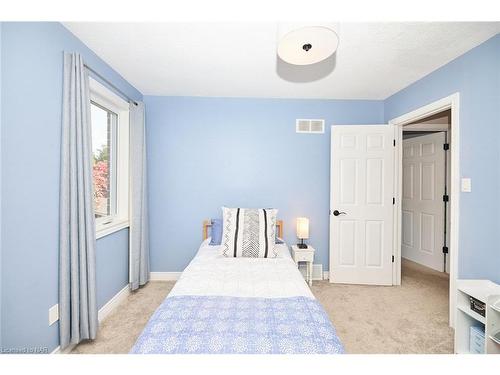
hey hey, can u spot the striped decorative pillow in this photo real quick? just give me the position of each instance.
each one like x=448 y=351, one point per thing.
x=248 y=232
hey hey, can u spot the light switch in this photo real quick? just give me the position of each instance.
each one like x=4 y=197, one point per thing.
x=53 y=314
x=466 y=185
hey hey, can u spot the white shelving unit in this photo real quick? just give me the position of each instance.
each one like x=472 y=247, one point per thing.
x=485 y=291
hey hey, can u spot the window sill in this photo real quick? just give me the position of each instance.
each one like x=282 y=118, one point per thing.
x=107 y=229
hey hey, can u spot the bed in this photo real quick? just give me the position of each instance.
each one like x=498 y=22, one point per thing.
x=239 y=306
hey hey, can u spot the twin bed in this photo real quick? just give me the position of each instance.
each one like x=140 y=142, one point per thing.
x=239 y=306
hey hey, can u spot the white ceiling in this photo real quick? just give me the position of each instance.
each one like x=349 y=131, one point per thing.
x=373 y=61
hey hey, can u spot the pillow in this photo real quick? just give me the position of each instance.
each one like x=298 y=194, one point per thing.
x=216 y=233
x=248 y=232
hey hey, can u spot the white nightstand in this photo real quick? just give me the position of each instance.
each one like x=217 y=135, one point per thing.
x=304 y=255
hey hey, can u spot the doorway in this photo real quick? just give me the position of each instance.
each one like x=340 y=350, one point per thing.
x=425 y=216
x=449 y=106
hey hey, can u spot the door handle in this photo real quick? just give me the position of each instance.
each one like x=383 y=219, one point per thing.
x=337 y=213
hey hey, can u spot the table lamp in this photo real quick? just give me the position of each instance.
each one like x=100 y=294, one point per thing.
x=302 y=231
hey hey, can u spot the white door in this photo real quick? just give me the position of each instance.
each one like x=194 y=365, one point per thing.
x=361 y=203
x=424 y=177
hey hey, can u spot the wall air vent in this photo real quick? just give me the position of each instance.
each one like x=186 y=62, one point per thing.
x=311 y=126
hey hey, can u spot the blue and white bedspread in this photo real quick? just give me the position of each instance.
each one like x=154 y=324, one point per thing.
x=192 y=324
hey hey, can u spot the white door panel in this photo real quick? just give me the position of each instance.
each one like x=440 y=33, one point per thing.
x=362 y=184
x=423 y=208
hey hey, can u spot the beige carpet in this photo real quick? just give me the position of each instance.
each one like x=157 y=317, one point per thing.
x=411 y=318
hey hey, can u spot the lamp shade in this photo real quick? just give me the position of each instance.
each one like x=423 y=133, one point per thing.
x=306 y=44
x=302 y=227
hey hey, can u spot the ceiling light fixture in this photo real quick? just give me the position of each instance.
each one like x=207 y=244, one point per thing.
x=306 y=45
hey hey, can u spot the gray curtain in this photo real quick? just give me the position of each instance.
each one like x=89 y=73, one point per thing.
x=139 y=229
x=77 y=290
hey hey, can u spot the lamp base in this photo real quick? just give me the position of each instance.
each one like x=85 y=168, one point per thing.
x=302 y=245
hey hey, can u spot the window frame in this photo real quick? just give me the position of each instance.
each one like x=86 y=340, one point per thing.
x=113 y=157
x=104 y=97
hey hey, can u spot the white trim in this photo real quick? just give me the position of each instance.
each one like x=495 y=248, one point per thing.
x=113 y=303
x=104 y=94
x=427 y=127
x=102 y=314
x=451 y=102
x=65 y=351
x=164 y=276
x=111 y=227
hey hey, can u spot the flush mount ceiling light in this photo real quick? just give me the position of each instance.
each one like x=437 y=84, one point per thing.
x=306 y=45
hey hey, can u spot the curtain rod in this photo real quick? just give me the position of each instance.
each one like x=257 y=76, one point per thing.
x=110 y=84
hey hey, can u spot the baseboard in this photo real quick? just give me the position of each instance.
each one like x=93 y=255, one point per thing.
x=65 y=351
x=102 y=314
x=113 y=303
x=164 y=276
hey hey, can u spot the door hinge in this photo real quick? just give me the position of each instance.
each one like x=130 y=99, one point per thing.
x=446 y=146
x=394 y=142
x=445 y=249
x=393 y=259
x=446 y=198
x=393 y=200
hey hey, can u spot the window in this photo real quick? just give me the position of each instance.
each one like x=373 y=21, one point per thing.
x=104 y=160
x=109 y=119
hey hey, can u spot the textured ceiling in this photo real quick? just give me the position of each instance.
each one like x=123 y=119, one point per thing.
x=373 y=61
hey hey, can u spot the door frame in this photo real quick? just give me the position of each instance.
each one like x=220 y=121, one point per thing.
x=450 y=102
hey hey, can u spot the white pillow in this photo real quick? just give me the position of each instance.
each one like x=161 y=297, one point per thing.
x=248 y=232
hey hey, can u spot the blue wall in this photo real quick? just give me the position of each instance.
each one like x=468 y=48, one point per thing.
x=32 y=55
x=476 y=76
x=207 y=152
x=111 y=265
